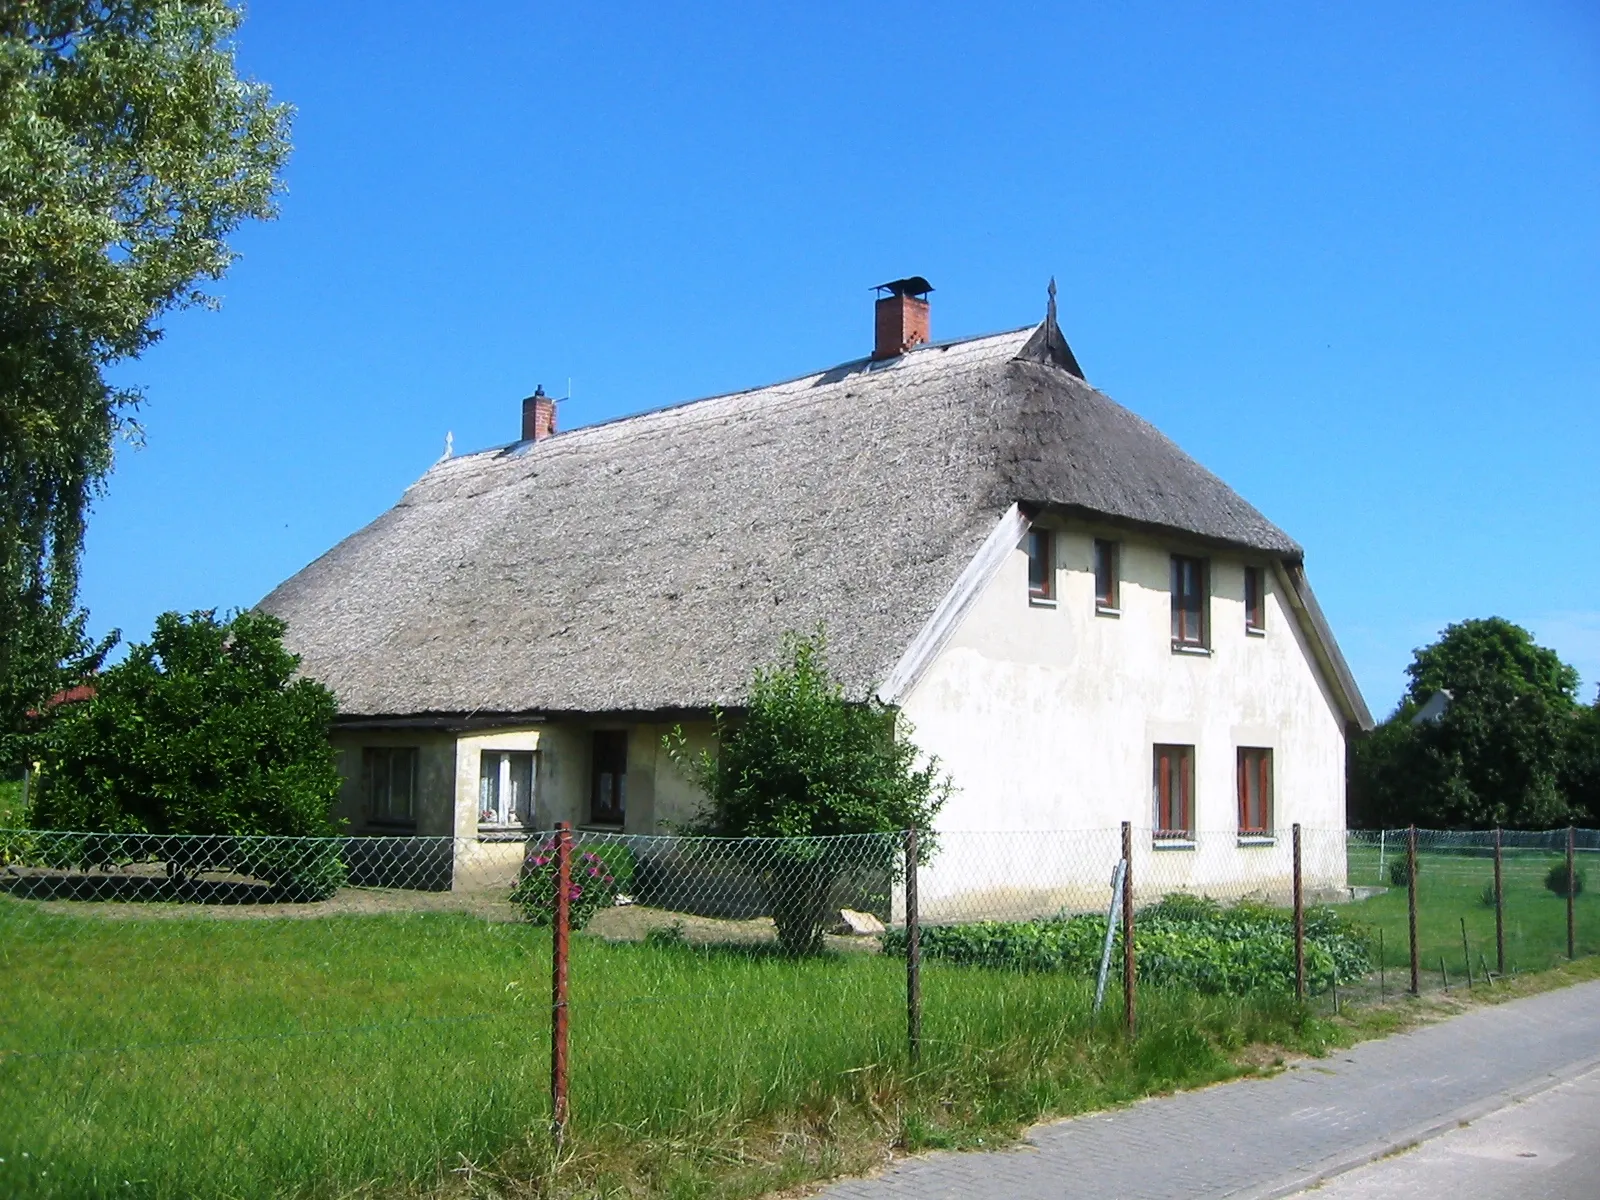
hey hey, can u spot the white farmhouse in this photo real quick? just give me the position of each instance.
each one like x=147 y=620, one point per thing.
x=1084 y=624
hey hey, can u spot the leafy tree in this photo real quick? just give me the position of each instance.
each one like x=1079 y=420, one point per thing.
x=203 y=730
x=1491 y=648
x=129 y=150
x=1496 y=754
x=804 y=762
x=1580 y=765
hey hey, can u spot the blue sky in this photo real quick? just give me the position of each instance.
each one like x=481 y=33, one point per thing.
x=1347 y=255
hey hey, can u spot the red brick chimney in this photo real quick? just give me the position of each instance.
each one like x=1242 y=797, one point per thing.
x=901 y=317
x=538 y=416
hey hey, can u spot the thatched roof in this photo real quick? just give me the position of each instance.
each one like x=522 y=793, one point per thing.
x=650 y=563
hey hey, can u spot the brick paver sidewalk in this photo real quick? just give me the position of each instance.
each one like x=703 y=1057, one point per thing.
x=1272 y=1137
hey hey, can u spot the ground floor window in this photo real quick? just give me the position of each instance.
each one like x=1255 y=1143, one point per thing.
x=505 y=787
x=1255 y=790
x=389 y=782
x=608 y=786
x=1174 y=793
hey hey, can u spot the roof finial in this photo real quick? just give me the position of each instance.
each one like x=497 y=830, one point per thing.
x=1050 y=308
x=449 y=443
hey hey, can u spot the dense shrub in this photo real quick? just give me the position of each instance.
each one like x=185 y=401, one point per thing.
x=1400 y=871
x=205 y=729
x=1183 y=941
x=1556 y=880
x=807 y=762
x=594 y=882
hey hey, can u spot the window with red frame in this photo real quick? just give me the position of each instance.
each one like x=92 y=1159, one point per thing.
x=1255 y=790
x=1041 y=567
x=1255 y=600
x=1174 y=793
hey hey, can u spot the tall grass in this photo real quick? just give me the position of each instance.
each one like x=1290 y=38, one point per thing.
x=406 y=1054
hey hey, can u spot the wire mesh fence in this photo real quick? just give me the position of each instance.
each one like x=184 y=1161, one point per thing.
x=371 y=1002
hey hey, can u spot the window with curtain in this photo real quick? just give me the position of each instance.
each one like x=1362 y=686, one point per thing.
x=608 y=780
x=505 y=788
x=1188 y=603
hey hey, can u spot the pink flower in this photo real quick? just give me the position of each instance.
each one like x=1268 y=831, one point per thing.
x=594 y=870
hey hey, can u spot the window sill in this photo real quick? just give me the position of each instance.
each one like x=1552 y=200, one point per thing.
x=1258 y=839
x=1105 y=610
x=1041 y=602
x=1255 y=631
x=599 y=827
x=1173 y=843
x=1191 y=650
x=501 y=833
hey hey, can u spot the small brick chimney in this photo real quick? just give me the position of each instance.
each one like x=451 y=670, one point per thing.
x=901 y=316
x=538 y=416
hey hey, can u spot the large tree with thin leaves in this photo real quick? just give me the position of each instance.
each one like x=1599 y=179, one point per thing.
x=130 y=149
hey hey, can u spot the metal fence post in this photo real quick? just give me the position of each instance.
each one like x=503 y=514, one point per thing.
x=1299 y=923
x=1129 y=976
x=1499 y=910
x=913 y=953
x=1572 y=888
x=558 y=981
x=1411 y=908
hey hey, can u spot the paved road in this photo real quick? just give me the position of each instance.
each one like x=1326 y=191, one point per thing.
x=1268 y=1138
x=1544 y=1148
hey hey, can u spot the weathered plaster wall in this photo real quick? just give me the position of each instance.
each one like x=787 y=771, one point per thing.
x=1046 y=718
x=436 y=779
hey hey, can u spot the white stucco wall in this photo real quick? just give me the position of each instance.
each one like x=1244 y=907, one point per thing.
x=1046 y=719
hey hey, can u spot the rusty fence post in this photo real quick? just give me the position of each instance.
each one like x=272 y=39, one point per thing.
x=1499 y=909
x=913 y=954
x=1299 y=923
x=1411 y=908
x=1572 y=890
x=560 y=929
x=1129 y=970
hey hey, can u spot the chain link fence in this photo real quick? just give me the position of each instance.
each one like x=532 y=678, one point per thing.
x=367 y=1001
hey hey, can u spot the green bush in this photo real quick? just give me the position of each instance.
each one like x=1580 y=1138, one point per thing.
x=1182 y=941
x=1556 y=880
x=805 y=761
x=592 y=884
x=205 y=729
x=299 y=870
x=1400 y=872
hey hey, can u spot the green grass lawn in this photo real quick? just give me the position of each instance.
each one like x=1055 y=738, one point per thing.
x=400 y=1055
x=164 y=1054
x=1451 y=887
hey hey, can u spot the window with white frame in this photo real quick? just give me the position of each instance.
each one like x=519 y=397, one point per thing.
x=505 y=788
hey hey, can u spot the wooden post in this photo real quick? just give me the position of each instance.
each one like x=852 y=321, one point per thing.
x=560 y=929
x=1299 y=923
x=1129 y=971
x=1572 y=888
x=913 y=953
x=1499 y=910
x=1411 y=908
x=1466 y=952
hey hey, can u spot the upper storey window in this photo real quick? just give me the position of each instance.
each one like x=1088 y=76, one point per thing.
x=1107 y=593
x=1190 y=588
x=1041 y=567
x=1255 y=600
